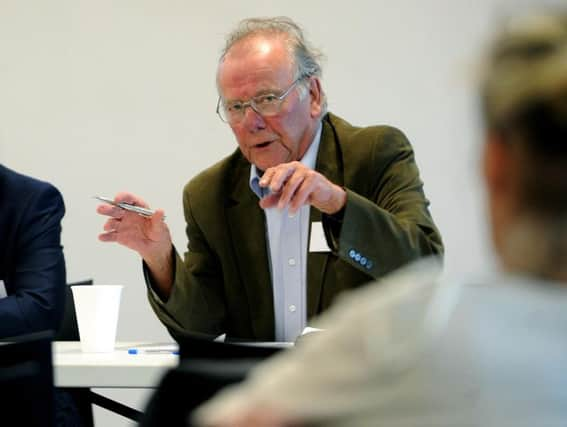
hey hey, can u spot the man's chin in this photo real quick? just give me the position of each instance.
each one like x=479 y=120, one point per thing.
x=266 y=163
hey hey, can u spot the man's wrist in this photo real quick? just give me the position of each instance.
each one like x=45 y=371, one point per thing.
x=160 y=270
x=332 y=226
x=340 y=201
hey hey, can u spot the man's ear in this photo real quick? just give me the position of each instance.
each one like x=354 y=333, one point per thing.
x=315 y=96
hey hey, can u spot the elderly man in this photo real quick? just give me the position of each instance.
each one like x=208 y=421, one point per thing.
x=421 y=350
x=307 y=207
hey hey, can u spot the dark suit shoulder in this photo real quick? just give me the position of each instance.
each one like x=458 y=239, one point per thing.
x=17 y=191
x=30 y=208
x=20 y=182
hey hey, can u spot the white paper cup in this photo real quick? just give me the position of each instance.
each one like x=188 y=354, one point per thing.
x=97 y=308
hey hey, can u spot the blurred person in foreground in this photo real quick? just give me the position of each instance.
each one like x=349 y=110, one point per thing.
x=307 y=206
x=428 y=349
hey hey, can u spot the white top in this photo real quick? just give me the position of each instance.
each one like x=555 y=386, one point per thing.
x=421 y=350
x=286 y=239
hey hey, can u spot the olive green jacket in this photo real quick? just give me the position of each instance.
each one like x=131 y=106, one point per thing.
x=224 y=285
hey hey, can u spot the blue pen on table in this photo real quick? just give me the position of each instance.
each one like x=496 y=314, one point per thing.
x=152 y=351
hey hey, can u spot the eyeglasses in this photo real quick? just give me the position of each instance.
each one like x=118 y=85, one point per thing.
x=265 y=105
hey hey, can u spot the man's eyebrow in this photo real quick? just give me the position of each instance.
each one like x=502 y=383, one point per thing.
x=261 y=92
x=270 y=91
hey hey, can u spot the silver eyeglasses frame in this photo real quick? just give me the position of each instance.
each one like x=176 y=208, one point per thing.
x=255 y=104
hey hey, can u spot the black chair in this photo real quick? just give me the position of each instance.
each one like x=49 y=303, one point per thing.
x=84 y=398
x=206 y=366
x=193 y=382
x=26 y=380
x=69 y=331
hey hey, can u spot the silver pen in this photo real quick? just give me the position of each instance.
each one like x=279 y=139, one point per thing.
x=127 y=206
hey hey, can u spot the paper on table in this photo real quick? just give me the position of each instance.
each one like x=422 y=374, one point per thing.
x=276 y=344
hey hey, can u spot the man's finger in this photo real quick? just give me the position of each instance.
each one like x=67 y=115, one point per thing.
x=269 y=201
x=267 y=177
x=111 y=225
x=289 y=189
x=130 y=199
x=157 y=217
x=302 y=194
x=280 y=176
x=109 y=236
x=109 y=210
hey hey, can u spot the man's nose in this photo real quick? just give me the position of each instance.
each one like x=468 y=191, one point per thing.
x=253 y=120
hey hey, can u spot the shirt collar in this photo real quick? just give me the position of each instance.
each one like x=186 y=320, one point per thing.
x=309 y=159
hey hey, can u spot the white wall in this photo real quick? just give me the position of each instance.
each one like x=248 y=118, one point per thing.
x=107 y=95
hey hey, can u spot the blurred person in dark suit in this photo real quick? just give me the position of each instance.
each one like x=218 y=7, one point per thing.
x=32 y=266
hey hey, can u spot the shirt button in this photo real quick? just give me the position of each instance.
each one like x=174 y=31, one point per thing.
x=292 y=308
x=291 y=215
x=291 y=261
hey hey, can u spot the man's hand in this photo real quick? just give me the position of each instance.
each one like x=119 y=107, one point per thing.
x=149 y=236
x=294 y=185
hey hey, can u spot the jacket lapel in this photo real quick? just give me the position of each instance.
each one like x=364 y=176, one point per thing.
x=329 y=163
x=248 y=232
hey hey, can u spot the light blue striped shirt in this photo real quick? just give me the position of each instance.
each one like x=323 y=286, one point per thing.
x=286 y=236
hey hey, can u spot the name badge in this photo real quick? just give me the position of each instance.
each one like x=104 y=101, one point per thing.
x=317 y=241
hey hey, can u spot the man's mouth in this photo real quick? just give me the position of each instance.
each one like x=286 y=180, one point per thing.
x=263 y=144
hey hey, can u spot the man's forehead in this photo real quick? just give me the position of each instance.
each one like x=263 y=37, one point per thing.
x=258 y=44
x=257 y=60
x=258 y=51
x=246 y=85
x=261 y=46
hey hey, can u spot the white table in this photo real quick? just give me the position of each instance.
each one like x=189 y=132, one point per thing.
x=73 y=368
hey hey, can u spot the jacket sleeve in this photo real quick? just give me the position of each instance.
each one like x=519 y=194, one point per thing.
x=36 y=282
x=196 y=302
x=390 y=225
